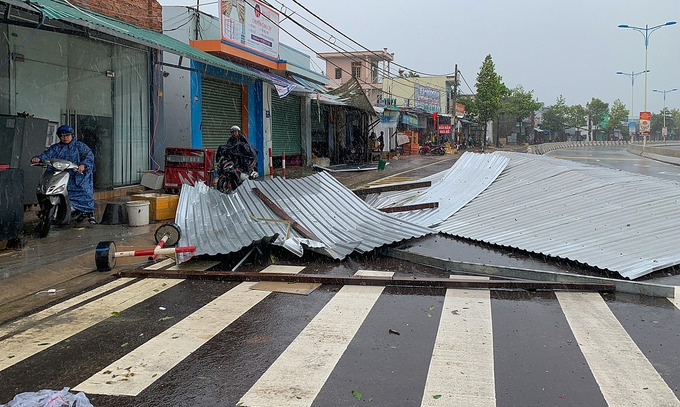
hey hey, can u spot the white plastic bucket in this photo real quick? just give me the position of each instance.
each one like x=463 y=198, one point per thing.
x=138 y=213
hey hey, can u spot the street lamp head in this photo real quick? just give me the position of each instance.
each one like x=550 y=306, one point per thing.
x=623 y=25
x=620 y=73
x=654 y=90
x=671 y=22
x=674 y=89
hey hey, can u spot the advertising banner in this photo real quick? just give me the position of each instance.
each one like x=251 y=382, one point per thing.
x=645 y=122
x=389 y=117
x=250 y=24
x=426 y=98
x=445 y=128
x=460 y=110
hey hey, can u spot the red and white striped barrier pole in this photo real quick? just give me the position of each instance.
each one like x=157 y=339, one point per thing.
x=160 y=245
x=156 y=251
x=283 y=161
x=271 y=164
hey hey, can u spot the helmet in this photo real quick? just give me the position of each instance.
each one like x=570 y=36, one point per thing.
x=65 y=129
x=235 y=128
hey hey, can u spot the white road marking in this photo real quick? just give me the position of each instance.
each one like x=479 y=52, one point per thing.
x=48 y=333
x=160 y=264
x=625 y=376
x=282 y=269
x=462 y=366
x=299 y=373
x=138 y=369
x=27 y=321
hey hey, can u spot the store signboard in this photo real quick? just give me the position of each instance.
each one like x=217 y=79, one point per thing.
x=250 y=24
x=426 y=98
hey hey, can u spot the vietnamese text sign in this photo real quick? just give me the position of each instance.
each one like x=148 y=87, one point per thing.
x=426 y=98
x=251 y=24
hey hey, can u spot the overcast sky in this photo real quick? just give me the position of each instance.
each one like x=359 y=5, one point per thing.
x=571 y=48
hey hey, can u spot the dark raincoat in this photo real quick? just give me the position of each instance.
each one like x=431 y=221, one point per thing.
x=240 y=151
x=80 y=186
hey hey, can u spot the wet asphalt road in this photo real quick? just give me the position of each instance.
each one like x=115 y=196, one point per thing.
x=530 y=356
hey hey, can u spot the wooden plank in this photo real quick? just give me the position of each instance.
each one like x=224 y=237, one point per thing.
x=406 y=208
x=283 y=215
x=395 y=187
x=376 y=280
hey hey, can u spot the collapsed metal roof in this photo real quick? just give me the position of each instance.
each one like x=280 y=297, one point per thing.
x=451 y=189
x=608 y=219
x=334 y=221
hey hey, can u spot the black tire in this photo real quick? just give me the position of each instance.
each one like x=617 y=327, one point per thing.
x=224 y=185
x=104 y=256
x=423 y=152
x=46 y=217
x=172 y=230
x=439 y=151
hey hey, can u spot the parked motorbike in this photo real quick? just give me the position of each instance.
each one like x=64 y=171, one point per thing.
x=429 y=148
x=52 y=193
x=230 y=176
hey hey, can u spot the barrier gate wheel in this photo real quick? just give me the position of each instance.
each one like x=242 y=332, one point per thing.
x=172 y=230
x=105 y=256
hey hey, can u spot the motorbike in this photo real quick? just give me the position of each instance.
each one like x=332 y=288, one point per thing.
x=429 y=148
x=230 y=176
x=52 y=193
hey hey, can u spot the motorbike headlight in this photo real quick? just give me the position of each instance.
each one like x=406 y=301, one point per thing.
x=56 y=190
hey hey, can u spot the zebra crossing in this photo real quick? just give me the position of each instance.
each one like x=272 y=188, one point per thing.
x=340 y=345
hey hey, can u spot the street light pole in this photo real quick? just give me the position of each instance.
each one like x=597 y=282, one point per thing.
x=646 y=32
x=664 y=92
x=632 y=92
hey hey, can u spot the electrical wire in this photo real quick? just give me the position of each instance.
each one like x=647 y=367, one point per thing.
x=344 y=35
x=342 y=51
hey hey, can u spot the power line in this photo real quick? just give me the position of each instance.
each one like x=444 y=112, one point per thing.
x=361 y=46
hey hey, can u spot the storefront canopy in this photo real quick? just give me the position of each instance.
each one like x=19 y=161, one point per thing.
x=57 y=14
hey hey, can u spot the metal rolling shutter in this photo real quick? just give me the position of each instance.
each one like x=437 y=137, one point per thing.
x=221 y=109
x=286 y=128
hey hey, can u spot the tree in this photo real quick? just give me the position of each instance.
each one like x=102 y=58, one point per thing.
x=598 y=114
x=555 y=118
x=577 y=116
x=489 y=91
x=618 y=116
x=520 y=105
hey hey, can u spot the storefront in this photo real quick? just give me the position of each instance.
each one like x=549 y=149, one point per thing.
x=101 y=89
x=286 y=128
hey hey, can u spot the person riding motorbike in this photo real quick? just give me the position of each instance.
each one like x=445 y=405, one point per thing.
x=239 y=150
x=80 y=185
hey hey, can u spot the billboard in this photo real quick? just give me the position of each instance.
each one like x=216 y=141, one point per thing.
x=426 y=98
x=250 y=24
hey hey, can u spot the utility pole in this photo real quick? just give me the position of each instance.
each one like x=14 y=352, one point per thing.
x=453 y=102
x=197 y=21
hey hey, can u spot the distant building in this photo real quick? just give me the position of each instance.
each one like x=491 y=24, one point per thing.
x=370 y=68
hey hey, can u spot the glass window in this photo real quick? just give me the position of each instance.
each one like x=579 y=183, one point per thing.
x=356 y=70
x=338 y=73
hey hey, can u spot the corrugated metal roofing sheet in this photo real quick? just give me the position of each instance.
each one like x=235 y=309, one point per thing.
x=609 y=219
x=451 y=189
x=219 y=223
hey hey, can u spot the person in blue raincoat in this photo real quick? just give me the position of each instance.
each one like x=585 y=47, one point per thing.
x=80 y=185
